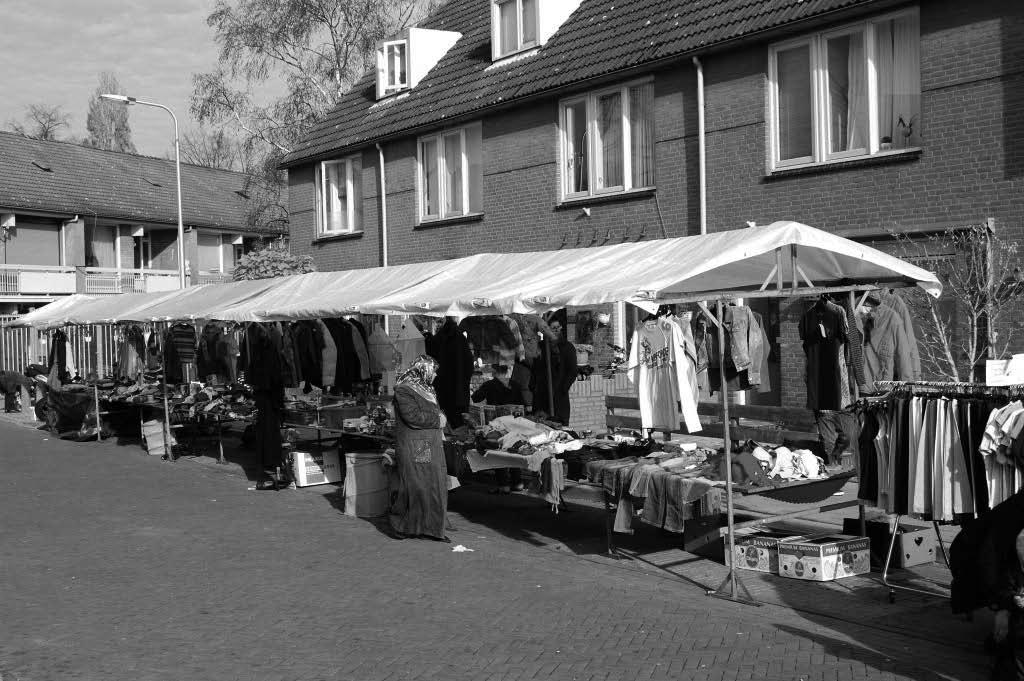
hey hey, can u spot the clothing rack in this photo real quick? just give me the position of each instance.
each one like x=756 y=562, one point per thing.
x=947 y=389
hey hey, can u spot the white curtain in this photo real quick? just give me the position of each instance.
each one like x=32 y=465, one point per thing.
x=883 y=61
x=641 y=122
x=906 y=82
x=509 y=27
x=899 y=81
x=335 y=191
x=453 y=175
x=529 y=21
x=100 y=249
x=857 y=111
x=609 y=122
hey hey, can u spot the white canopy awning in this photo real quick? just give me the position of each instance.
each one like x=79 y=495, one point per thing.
x=662 y=270
x=783 y=258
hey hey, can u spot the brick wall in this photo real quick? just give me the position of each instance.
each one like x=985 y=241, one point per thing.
x=971 y=166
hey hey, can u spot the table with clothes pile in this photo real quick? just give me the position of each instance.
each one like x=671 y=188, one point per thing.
x=664 y=484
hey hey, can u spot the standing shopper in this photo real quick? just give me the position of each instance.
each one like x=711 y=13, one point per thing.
x=563 y=374
x=419 y=492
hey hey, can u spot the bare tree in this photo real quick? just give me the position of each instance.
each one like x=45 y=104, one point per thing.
x=213 y=148
x=41 y=122
x=107 y=122
x=977 y=316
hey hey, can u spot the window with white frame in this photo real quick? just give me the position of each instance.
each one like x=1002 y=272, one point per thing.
x=514 y=25
x=849 y=92
x=396 y=65
x=608 y=141
x=450 y=178
x=339 y=196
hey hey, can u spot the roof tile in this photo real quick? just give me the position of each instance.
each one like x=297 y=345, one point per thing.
x=116 y=185
x=600 y=38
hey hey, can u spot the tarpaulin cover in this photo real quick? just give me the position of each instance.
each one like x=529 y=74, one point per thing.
x=643 y=273
x=53 y=314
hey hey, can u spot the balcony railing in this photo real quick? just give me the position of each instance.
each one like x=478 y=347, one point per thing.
x=16 y=280
x=214 y=277
x=112 y=280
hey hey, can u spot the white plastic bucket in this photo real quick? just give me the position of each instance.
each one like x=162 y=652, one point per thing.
x=366 y=485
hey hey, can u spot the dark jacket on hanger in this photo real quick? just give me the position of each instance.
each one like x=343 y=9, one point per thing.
x=183 y=336
x=207 y=361
x=309 y=347
x=58 y=354
x=823 y=330
x=491 y=339
x=347 y=370
x=455 y=370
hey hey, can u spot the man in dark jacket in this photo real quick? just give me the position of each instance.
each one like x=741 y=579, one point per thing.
x=562 y=356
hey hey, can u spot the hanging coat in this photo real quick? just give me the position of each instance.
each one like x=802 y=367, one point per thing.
x=329 y=356
x=308 y=339
x=455 y=370
x=410 y=344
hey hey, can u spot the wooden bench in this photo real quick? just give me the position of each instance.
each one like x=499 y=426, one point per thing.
x=776 y=425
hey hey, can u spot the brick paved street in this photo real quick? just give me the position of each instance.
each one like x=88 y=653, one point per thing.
x=115 y=565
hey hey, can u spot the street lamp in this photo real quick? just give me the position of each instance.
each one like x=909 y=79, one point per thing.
x=128 y=101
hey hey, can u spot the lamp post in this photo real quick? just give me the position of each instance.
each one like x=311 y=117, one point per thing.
x=128 y=101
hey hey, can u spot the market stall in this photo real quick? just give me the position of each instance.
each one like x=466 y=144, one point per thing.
x=781 y=260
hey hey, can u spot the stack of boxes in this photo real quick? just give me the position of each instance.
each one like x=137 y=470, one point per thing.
x=813 y=557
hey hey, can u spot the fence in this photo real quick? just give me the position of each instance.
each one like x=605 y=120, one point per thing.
x=93 y=348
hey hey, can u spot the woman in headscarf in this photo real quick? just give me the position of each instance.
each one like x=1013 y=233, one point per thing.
x=419 y=489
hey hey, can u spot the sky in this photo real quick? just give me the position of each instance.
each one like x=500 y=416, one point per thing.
x=54 y=50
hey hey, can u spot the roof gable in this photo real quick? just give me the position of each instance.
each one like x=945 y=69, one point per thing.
x=601 y=37
x=63 y=177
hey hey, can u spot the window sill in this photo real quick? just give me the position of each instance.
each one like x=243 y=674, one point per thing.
x=578 y=202
x=881 y=158
x=444 y=222
x=341 y=236
x=513 y=57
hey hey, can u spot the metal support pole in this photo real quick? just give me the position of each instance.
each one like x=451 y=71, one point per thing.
x=168 y=451
x=220 y=441
x=96 y=397
x=547 y=367
x=732 y=578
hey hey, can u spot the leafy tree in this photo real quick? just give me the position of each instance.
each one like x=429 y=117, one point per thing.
x=107 y=122
x=270 y=262
x=316 y=49
x=41 y=122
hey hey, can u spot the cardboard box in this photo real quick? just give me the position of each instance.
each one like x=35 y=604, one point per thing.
x=915 y=544
x=335 y=415
x=758 y=550
x=823 y=559
x=315 y=468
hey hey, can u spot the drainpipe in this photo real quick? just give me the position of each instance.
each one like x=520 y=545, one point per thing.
x=383 y=220
x=702 y=159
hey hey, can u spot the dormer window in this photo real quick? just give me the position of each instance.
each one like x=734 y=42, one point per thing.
x=515 y=25
x=396 y=55
x=518 y=26
x=406 y=59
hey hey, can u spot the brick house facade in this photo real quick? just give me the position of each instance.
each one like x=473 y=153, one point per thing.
x=967 y=166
